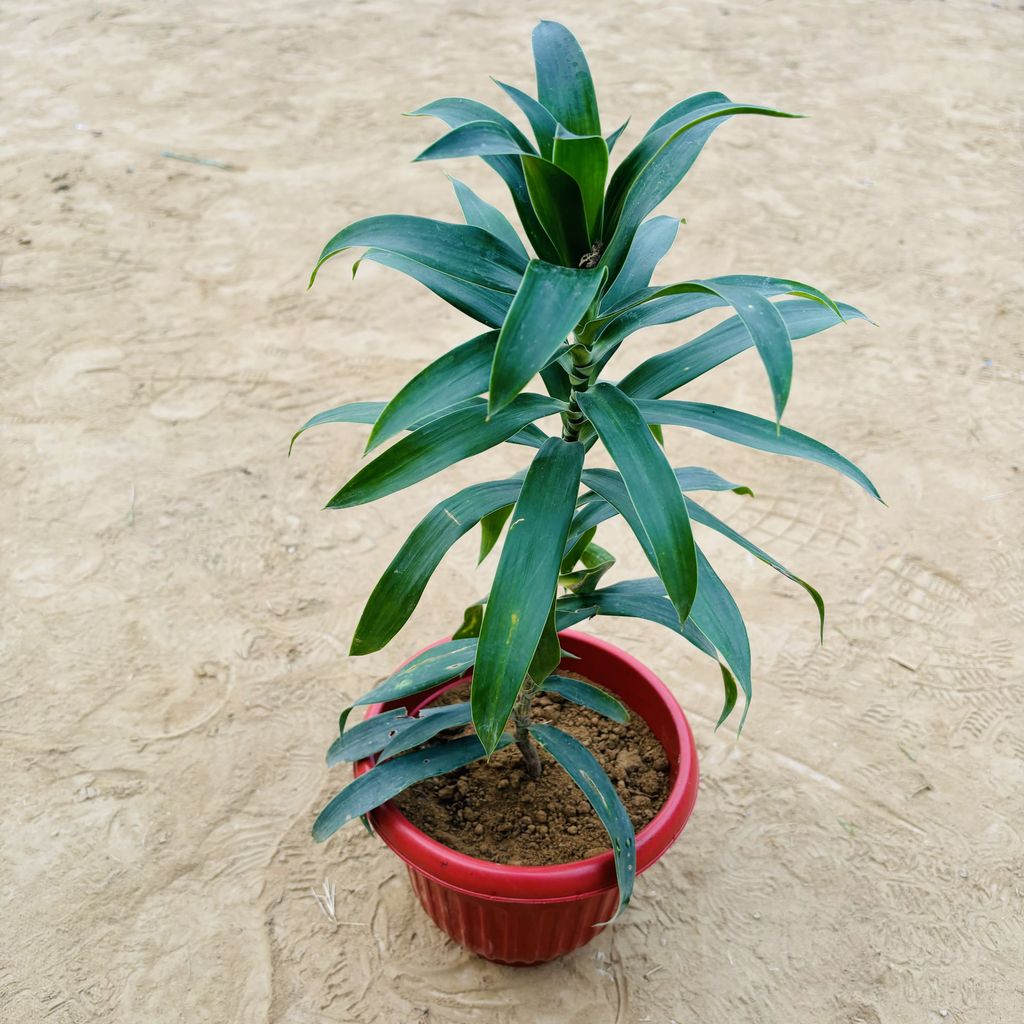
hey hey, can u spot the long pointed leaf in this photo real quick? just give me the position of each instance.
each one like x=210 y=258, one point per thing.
x=482 y=214
x=721 y=622
x=696 y=478
x=350 y=412
x=771 y=338
x=585 y=770
x=387 y=780
x=524 y=584
x=369 y=736
x=699 y=514
x=430 y=722
x=474 y=138
x=542 y=121
x=636 y=599
x=438 y=444
x=564 y=85
x=751 y=431
x=548 y=655
x=652 y=241
x=585 y=158
x=490 y=530
x=613 y=137
x=455 y=111
x=399 y=590
x=593 y=510
x=558 y=204
x=639 y=156
x=652 y=489
x=458 y=250
x=678 y=145
x=550 y=302
x=667 y=371
x=438 y=664
x=596 y=562
x=460 y=373
x=588 y=696
x=486 y=305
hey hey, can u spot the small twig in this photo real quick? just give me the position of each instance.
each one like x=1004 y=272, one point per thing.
x=202 y=160
x=325 y=901
x=653 y=970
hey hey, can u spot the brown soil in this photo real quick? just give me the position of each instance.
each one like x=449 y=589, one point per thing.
x=493 y=810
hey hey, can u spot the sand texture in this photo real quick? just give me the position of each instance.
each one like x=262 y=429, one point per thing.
x=177 y=608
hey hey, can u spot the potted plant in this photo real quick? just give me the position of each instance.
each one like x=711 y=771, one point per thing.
x=493 y=717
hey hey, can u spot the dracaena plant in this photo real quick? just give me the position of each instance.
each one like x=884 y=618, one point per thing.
x=560 y=315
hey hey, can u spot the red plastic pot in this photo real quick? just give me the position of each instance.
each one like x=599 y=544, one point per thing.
x=527 y=915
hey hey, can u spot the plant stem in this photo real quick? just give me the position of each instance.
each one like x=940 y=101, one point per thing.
x=579 y=377
x=522 y=723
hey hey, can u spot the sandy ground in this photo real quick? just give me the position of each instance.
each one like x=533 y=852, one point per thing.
x=178 y=609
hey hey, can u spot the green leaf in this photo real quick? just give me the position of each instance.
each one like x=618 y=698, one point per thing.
x=661 y=516
x=771 y=338
x=751 y=431
x=699 y=514
x=438 y=444
x=729 y=685
x=486 y=305
x=524 y=584
x=720 y=621
x=651 y=242
x=455 y=111
x=696 y=478
x=550 y=302
x=400 y=588
x=614 y=136
x=557 y=381
x=531 y=436
x=667 y=371
x=768 y=286
x=588 y=696
x=438 y=664
x=460 y=373
x=640 y=155
x=596 y=562
x=585 y=158
x=558 y=203
x=482 y=214
x=474 y=138
x=430 y=722
x=541 y=119
x=472 y=619
x=387 y=780
x=490 y=530
x=674 y=149
x=564 y=85
x=593 y=510
x=762 y=320
x=585 y=770
x=574 y=550
x=369 y=736
x=548 y=655
x=637 y=599
x=350 y=412
x=456 y=250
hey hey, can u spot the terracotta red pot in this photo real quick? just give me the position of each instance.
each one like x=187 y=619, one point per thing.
x=526 y=915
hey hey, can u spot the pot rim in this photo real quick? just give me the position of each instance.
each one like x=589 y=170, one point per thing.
x=572 y=880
